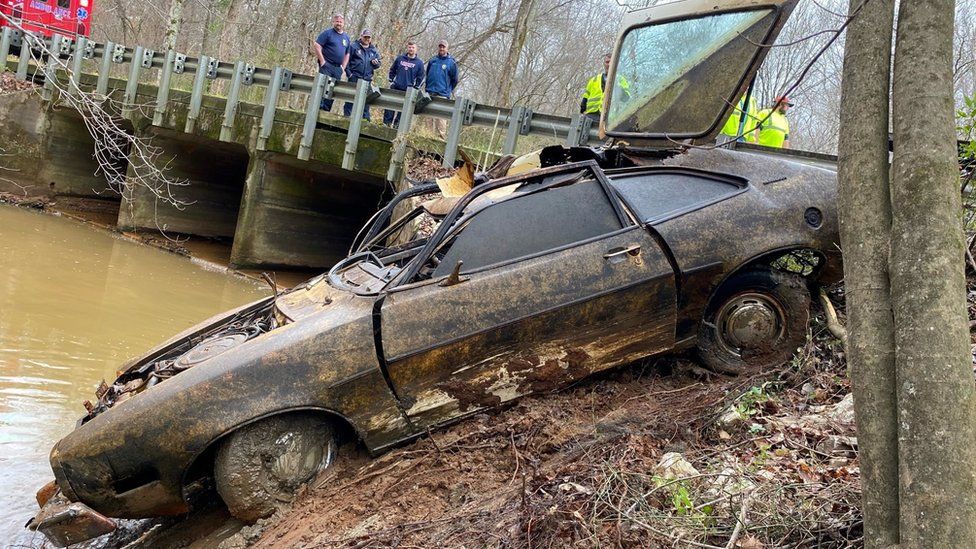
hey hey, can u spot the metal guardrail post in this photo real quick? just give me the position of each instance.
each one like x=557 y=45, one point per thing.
x=53 y=59
x=518 y=123
x=5 y=39
x=25 y=55
x=196 y=96
x=579 y=130
x=355 y=125
x=101 y=86
x=459 y=118
x=132 y=85
x=312 y=116
x=270 y=107
x=400 y=143
x=162 y=95
x=76 y=65
x=230 y=108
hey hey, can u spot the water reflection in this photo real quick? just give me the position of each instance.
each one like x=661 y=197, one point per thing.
x=74 y=304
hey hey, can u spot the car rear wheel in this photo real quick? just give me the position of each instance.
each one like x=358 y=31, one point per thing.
x=757 y=319
x=260 y=466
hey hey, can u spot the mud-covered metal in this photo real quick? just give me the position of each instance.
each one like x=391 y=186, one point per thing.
x=418 y=353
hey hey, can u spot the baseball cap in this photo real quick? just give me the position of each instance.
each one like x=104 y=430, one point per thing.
x=442 y=43
x=366 y=32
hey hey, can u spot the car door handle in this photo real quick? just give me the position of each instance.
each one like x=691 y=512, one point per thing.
x=632 y=250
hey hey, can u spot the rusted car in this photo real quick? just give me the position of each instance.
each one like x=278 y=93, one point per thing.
x=541 y=271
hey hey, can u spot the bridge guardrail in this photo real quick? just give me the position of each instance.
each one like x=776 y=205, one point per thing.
x=517 y=121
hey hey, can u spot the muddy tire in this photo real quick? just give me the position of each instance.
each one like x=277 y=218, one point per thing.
x=259 y=467
x=756 y=320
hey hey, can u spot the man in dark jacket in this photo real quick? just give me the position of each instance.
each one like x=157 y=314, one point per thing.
x=442 y=78
x=363 y=58
x=407 y=71
x=332 y=50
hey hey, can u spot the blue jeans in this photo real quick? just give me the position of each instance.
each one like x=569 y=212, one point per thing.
x=335 y=71
x=391 y=117
x=347 y=107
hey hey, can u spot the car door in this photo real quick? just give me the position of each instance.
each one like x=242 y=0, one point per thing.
x=556 y=285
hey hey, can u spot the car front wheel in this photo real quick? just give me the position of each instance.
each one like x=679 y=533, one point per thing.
x=260 y=466
x=757 y=319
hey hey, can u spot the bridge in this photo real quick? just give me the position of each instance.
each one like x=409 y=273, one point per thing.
x=290 y=185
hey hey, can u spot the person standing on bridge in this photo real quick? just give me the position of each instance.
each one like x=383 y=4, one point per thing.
x=332 y=49
x=363 y=59
x=442 y=78
x=407 y=71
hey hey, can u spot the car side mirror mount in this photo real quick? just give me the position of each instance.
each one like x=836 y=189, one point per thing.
x=455 y=277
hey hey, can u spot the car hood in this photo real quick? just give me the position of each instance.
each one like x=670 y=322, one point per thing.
x=679 y=68
x=309 y=299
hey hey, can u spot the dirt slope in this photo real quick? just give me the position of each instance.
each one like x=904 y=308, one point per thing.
x=651 y=454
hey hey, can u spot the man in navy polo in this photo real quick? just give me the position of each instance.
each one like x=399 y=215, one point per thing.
x=407 y=71
x=332 y=49
x=363 y=59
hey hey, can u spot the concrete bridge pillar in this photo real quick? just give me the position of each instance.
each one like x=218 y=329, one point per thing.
x=206 y=177
x=68 y=164
x=300 y=214
x=48 y=151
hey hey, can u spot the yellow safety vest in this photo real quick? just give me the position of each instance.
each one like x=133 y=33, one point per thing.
x=731 y=127
x=775 y=130
x=594 y=93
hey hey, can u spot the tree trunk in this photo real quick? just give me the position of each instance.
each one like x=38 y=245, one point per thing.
x=523 y=21
x=206 y=41
x=173 y=25
x=936 y=393
x=865 y=225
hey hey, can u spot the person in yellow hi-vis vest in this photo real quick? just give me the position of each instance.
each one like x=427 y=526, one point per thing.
x=592 y=102
x=774 y=128
x=730 y=131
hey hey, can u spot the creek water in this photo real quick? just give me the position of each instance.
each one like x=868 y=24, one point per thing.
x=75 y=303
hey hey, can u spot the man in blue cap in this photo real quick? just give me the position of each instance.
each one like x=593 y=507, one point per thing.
x=442 y=78
x=332 y=49
x=363 y=59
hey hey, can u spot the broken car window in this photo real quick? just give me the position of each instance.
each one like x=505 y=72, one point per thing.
x=528 y=224
x=676 y=78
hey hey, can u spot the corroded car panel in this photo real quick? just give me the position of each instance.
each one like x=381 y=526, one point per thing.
x=524 y=327
x=130 y=461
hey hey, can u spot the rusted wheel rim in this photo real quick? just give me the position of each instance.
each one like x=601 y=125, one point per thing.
x=750 y=321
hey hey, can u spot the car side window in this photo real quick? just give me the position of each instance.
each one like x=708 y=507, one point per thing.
x=525 y=225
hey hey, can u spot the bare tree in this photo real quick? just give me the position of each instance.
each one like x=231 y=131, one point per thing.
x=865 y=229
x=936 y=394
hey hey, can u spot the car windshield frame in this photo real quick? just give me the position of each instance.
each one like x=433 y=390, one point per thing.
x=775 y=10
x=407 y=276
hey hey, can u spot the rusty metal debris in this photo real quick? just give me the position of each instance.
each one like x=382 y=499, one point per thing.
x=65 y=523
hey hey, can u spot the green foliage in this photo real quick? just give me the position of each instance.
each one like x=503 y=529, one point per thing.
x=966 y=127
x=749 y=403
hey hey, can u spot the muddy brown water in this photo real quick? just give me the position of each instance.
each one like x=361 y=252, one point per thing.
x=76 y=302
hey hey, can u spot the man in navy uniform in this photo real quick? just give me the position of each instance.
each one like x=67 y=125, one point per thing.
x=442 y=78
x=407 y=71
x=332 y=49
x=363 y=58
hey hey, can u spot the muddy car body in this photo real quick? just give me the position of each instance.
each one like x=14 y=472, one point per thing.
x=525 y=283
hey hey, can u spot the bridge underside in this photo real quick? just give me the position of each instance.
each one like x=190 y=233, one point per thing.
x=192 y=187
x=302 y=214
